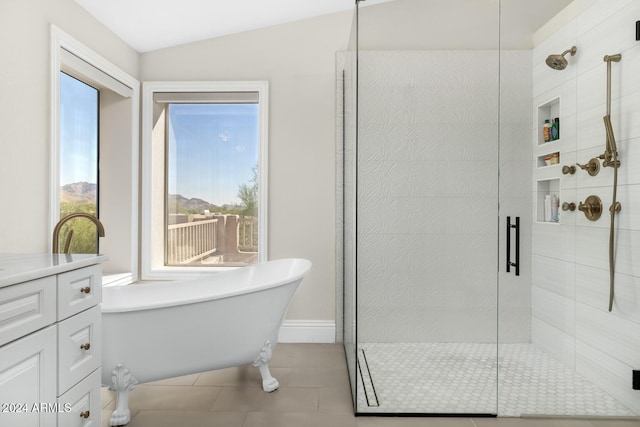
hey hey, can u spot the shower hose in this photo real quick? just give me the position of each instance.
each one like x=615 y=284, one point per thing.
x=615 y=207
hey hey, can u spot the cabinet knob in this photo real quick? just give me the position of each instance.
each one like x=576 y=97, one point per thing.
x=85 y=346
x=85 y=414
x=86 y=290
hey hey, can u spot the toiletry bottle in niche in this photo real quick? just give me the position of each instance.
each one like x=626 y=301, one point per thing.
x=546 y=131
x=547 y=208
x=555 y=202
x=555 y=129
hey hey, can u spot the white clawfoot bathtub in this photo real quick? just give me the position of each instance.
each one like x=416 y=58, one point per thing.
x=154 y=331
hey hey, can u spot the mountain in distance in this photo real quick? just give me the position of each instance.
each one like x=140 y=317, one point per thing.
x=78 y=192
x=86 y=192
x=179 y=203
x=193 y=204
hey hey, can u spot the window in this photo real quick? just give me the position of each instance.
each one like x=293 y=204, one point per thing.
x=79 y=110
x=204 y=171
x=95 y=154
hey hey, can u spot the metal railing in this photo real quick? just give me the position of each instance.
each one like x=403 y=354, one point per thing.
x=191 y=241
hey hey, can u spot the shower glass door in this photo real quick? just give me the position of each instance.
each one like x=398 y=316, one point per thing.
x=421 y=208
x=443 y=104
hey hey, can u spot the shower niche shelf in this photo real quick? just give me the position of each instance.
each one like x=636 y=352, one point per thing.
x=547 y=187
x=547 y=166
x=548 y=159
x=547 y=111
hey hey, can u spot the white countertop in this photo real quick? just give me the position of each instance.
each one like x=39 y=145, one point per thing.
x=18 y=268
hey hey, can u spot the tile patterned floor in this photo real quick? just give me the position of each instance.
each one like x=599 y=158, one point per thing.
x=314 y=392
x=462 y=378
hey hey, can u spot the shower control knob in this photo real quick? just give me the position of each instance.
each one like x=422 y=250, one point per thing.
x=592 y=208
x=568 y=169
x=566 y=206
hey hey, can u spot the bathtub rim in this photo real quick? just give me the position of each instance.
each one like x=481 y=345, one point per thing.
x=169 y=297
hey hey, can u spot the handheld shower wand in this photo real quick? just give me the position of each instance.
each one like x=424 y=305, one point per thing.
x=611 y=150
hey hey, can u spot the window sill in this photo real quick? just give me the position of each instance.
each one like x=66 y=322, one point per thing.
x=119 y=279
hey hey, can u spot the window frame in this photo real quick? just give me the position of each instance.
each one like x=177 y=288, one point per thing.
x=153 y=176
x=92 y=68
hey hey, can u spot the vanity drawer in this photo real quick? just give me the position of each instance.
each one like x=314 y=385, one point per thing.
x=26 y=307
x=78 y=290
x=80 y=406
x=79 y=347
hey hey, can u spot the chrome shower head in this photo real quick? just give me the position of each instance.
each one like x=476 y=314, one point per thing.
x=559 y=62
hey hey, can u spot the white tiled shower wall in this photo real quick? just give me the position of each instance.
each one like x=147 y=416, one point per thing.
x=570 y=292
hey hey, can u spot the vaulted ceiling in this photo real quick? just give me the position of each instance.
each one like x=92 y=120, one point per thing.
x=154 y=24
x=148 y=25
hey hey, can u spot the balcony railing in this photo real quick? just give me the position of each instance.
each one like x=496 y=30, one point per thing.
x=191 y=241
x=248 y=234
x=212 y=239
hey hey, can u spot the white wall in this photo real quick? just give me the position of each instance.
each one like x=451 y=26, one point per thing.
x=570 y=260
x=24 y=109
x=454 y=24
x=298 y=60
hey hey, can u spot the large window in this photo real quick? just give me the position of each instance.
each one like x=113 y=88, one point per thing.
x=212 y=182
x=204 y=154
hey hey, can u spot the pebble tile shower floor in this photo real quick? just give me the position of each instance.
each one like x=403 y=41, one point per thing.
x=461 y=378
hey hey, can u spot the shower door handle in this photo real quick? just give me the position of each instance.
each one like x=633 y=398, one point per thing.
x=515 y=264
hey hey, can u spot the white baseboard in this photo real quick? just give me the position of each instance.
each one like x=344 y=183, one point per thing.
x=307 y=331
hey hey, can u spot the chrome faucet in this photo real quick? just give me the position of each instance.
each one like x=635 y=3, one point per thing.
x=58 y=227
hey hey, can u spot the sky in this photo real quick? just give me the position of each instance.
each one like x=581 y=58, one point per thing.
x=78 y=131
x=213 y=149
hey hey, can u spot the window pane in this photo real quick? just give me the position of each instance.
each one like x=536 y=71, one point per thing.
x=212 y=184
x=79 y=105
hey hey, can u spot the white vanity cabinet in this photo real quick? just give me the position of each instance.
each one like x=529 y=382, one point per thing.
x=27 y=378
x=50 y=342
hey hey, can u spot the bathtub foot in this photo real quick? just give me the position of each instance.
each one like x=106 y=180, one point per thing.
x=122 y=382
x=269 y=383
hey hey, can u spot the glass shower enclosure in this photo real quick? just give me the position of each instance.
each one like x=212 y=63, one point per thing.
x=435 y=196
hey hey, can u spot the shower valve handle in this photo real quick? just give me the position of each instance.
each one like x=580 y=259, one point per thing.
x=592 y=168
x=592 y=208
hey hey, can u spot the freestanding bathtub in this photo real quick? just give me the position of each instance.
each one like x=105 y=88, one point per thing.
x=154 y=331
